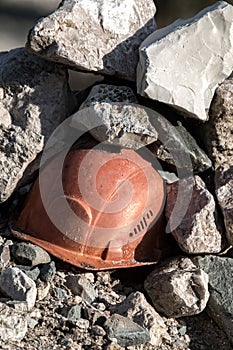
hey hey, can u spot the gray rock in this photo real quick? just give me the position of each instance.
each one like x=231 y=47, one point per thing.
x=216 y=134
x=136 y=307
x=125 y=331
x=220 y=305
x=173 y=59
x=47 y=272
x=18 y=286
x=119 y=123
x=194 y=228
x=31 y=272
x=178 y=288
x=4 y=252
x=72 y=313
x=105 y=93
x=30 y=254
x=60 y=294
x=95 y=35
x=80 y=285
x=177 y=147
x=224 y=193
x=34 y=99
x=13 y=325
x=42 y=289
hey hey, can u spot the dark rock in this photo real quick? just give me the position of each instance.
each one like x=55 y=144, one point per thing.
x=126 y=332
x=47 y=271
x=29 y=254
x=178 y=288
x=220 y=305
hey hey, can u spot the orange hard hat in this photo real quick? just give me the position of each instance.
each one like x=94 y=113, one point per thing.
x=109 y=214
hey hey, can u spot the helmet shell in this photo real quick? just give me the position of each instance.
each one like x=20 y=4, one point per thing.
x=108 y=215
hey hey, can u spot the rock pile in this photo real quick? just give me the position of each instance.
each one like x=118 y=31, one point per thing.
x=167 y=91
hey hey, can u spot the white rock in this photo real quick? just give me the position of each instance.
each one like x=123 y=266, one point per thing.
x=95 y=35
x=18 y=286
x=13 y=325
x=182 y=64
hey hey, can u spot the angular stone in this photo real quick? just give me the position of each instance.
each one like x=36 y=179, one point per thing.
x=220 y=305
x=72 y=312
x=34 y=99
x=80 y=285
x=216 y=134
x=18 y=286
x=95 y=35
x=177 y=147
x=13 y=325
x=32 y=272
x=131 y=125
x=193 y=223
x=224 y=193
x=4 y=251
x=125 y=331
x=47 y=272
x=178 y=288
x=182 y=64
x=29 y=254
x=137 y=308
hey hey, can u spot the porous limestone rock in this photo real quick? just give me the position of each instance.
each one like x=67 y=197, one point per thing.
x=178 y=288
x=137 y=308
x=34 y=99
x=194 y=228
x=216 y=134
x=224 y=193
x=95 y=35
x=182 y=64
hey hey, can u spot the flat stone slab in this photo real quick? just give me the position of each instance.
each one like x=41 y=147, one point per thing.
x=34 y=99
x=220 y=305
x=182 y=64
x=95 y=35
x=193 y=226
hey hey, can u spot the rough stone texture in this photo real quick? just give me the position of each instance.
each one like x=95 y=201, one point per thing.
x=177 y=147
x=80 y=285
x=217 y=132
x=95 y=35
x=125 y=331
x=224 y=193
x=136 y=307
x=118 y=123
x=30 y=254
x=72 y=312
x=182 y=64
x=13 y=325
x=194 y=228
x=18 y=286
x=112 y=114
x=47 y=272
x=178 y=288
x=34 y=99
x=220 y=305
